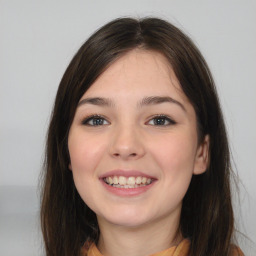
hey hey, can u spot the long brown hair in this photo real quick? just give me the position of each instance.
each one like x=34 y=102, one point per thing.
x=207 y=215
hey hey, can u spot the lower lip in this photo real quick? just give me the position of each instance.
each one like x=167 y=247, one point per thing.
x=127 y=191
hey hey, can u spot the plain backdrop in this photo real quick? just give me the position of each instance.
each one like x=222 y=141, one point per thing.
x=37 y=41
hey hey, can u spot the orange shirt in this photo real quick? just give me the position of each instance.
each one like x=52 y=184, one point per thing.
x=181 y=250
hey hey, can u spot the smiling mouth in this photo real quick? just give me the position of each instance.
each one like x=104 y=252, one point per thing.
x=127 y=182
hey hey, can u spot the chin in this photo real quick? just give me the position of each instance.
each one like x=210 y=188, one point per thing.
x=127 y=218
x=129 y=222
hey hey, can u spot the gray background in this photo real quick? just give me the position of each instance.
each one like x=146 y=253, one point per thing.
x=37 y=41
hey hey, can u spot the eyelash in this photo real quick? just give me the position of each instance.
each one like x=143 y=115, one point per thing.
x=94 y=118
x=162 y=118
x=100 y=120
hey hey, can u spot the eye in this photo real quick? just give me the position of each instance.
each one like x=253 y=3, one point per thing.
x=95 y=120
x=161 y=120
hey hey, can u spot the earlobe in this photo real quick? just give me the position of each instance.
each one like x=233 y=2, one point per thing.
x=202 y=157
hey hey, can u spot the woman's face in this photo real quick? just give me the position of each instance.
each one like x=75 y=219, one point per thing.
x=133 y=142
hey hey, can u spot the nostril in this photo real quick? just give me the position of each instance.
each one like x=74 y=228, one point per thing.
x=125 y=155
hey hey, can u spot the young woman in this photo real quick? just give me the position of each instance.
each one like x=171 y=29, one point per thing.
x=137 y=159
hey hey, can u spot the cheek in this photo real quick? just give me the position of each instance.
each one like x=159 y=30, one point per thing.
x=177 y=162
x=85 y=153
x=176 y=157
x=177 y=151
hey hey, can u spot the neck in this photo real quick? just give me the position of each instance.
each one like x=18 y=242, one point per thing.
x=150 y=238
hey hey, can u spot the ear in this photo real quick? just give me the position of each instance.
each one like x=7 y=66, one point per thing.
x=202 y=156
x=70 y=166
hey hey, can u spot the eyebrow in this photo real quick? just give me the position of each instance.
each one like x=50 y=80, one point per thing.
x=96 y=101
x=152 y=100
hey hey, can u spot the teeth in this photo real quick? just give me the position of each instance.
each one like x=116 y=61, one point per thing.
x=131 y=181
x=115 y=180
x=138 y=180
x=127 y=182
x=144 y=180
x=122 y=180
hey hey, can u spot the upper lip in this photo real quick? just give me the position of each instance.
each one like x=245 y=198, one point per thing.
x=125 y=173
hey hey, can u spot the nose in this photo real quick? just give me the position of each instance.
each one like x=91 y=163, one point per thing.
x=127 y=143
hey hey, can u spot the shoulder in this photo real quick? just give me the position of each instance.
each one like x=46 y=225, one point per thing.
x=85 y=248
x=235 y=251
x=89 y=249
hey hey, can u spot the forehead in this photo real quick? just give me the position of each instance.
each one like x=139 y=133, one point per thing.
x=138 y=72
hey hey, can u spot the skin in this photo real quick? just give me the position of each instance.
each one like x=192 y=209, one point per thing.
x=130 y=139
